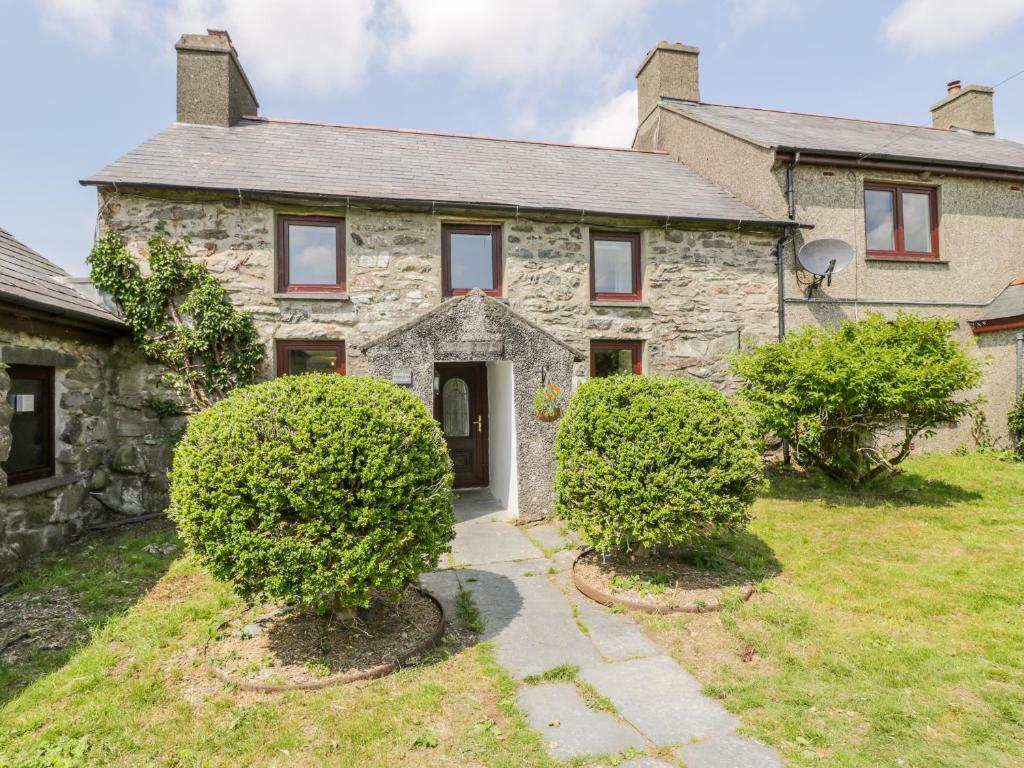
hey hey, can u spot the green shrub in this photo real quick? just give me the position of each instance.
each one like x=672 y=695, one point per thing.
x=654 y=460
x=318 y=489
x=1015 y=421
x=852 y=399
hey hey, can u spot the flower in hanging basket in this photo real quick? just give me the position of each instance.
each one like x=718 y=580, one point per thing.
x=548 y=402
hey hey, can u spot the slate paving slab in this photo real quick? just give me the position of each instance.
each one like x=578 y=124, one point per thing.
x=661 y=699
x=729 y=752
x=569 y=727
x=444 y=585
x=488 y=541
x=616 y=636
x=527 y=617
x=549 y=536
x=645 y=762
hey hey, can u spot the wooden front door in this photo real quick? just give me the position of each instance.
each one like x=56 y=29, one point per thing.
x=460 y=405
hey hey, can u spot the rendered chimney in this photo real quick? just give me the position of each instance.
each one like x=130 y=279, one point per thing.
x=670 y=70
x=965 y=108
x=212 y=86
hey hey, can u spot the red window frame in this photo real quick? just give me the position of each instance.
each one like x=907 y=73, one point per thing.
x=283 y=285
x=636 y=347
x=899 y=251
x=45 y=374
x=447 y=230
x=281 y=349
x=637 y=292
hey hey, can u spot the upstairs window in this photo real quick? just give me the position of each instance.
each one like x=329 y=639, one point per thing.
x=901 y=222
x=470 y=258
x=608 y=358
x=297 y=357
x=310 y=254
x=614 y=266
x=31 y=400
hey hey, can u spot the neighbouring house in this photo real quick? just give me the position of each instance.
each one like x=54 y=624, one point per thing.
x=935 y=214
x=77 y=443
x=472 y=270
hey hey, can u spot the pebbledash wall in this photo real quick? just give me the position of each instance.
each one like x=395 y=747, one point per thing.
x=111 y=450
x=981 y=243
x=705 y=291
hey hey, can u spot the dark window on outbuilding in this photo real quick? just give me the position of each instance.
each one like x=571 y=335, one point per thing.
x=310 y=254
x=470 y=258
x=298 y=357
x=31 y=400
x=615 y=266
x=901 y=221
x=608 y=358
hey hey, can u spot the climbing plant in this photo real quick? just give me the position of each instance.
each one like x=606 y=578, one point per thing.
x=180 y=316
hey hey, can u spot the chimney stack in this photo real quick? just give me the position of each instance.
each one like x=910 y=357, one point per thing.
x=212 y=86
x=668 y=69
x=966 y=108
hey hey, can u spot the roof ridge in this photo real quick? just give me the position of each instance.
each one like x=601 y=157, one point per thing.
x=451 y=134
x=829 y=117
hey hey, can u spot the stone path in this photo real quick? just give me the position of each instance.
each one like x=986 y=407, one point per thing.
x=646 y=702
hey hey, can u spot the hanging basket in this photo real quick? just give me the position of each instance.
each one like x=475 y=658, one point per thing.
x=549 y=415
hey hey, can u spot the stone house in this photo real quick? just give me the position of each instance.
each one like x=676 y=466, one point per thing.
x=472 y=270
x=77 y=442
x=935 y=215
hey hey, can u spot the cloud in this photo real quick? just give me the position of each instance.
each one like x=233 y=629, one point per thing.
x=525 y=41
x=311 y=44
x=927 y=26
x=744 y=14
x=92 y=22
x=611 y=124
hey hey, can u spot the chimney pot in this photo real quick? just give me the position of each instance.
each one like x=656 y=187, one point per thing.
x=965 y=108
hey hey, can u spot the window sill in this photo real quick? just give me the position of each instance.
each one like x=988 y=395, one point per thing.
x=312 y=296
x=631 y=304
x=905 y=259
x=32 y=487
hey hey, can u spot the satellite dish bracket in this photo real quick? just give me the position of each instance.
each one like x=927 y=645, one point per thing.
x=825 y=278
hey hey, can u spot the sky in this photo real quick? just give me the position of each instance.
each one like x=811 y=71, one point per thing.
x=83 y=81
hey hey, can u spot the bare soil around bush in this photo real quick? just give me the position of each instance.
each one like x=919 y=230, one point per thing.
x=272 y=647
x=666 y=582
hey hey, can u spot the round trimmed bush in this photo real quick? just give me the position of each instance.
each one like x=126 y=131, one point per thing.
x=318 y=489
x=654 y=460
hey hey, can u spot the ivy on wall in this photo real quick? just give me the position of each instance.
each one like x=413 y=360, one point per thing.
x=180 y=316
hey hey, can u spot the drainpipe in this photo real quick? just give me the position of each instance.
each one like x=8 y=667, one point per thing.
x=791 y=186
x=780 y=255
x=1020 y=363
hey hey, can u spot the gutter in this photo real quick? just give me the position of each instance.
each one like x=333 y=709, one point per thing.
x=434 y=205
x=111 y=325
x=908 y=164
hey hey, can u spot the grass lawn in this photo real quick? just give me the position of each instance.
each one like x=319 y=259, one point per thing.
x=891 y=634
x=135 y=693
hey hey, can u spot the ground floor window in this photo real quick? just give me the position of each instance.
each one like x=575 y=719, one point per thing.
x=298 y=357
x=31 y=400
x=608 y=358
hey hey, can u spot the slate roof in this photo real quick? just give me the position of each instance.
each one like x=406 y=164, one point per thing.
x=290 y=157
x=1008 y=304
x=28 y=279
x=850 y=137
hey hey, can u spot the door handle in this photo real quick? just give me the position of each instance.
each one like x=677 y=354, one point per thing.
x=480 y=423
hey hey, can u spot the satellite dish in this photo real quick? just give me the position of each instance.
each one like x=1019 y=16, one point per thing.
x=823 y=258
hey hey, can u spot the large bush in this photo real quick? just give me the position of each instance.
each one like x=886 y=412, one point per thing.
x=318 y=489
x=653 y=460
x=852 y=399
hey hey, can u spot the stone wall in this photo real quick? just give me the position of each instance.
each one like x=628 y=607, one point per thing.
x=705 y=291
x=111 y=452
